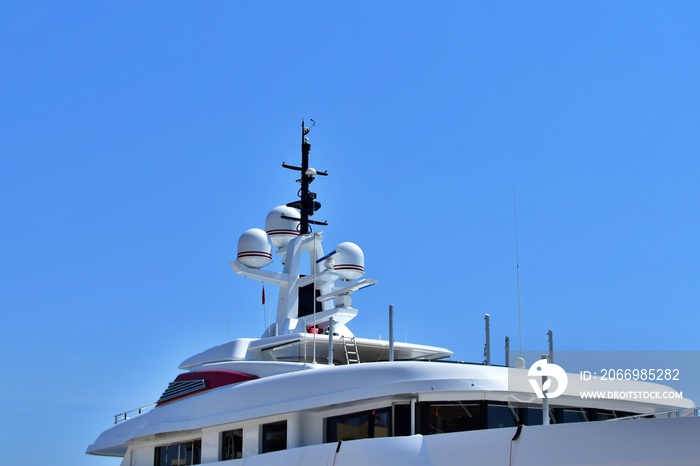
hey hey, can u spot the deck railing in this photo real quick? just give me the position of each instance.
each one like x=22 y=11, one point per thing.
x=678 y=412
x=134 y=412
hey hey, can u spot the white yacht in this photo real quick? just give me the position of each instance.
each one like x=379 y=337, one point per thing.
x=309 y=392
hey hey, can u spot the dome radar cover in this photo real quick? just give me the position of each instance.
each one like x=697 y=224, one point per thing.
x=349 y=261
x=282 y=230
x=254 y=249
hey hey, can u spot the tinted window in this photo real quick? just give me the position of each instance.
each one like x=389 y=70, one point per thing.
x=498 y=415
x=232 y=444
x=402 y=420
x=180 y=454
x=274 y=436
x=573 y=415
x=451 y=416
x=365 y=424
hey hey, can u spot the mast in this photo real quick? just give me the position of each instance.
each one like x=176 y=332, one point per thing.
x=306 y=301
x=307 y=204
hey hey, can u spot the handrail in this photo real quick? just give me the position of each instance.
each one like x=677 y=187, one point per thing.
x=125 y=415
x=678 y=412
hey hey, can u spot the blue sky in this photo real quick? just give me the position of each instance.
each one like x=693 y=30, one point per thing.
x=139 y=140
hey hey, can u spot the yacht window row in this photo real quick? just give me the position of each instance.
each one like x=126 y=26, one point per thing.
x=429 y=418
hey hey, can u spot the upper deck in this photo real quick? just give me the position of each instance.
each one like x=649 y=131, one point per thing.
x=314 y=392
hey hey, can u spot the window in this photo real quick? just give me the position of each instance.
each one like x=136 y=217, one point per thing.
x=365 y=424
x=437 y=417
x=604 y=414
x=307 y=301
x=572 y=415
x=180 y=454
x=501 y=415
x=451 y=416
x=232 y=444
x=532 y=416
x=274 y=436
x=401 y=425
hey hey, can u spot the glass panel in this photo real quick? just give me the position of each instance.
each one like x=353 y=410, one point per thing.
x=452 y=416
x=307 y=301
x=348 y=427
x=173 y=456
x=402 y=420
x=232 y=444
x=500 y=416
x=531 y=416
x=603 y=415
x=380 y=423
x=180 y=454
x=160 y=458
x=288 y=352
x=573 y=415
x=365 y=424
x=274 y=436
x=194 y=452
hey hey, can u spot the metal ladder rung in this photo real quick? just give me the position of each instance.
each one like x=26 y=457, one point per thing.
x=352 y=355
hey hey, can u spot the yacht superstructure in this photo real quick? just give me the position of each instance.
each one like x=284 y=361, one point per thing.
x=310 y=392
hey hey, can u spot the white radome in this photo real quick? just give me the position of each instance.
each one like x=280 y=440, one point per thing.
x=254 y=249
x=281 y=230
x=349 y=261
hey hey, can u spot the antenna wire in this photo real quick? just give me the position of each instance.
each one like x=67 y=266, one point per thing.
x=517 y=269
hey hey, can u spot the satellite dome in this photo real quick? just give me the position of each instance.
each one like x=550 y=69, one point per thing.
x=281 y=230
x=349 y=261
x=254 y=249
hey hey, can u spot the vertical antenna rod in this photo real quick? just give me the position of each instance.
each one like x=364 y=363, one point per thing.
x=330 y=341
x=545 y=400
x=391 y=332
x=507 y=352
x=517 y=268
x=487 y=345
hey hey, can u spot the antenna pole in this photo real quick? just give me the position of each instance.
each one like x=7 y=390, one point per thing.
x=487 y=346
x=391 y=332
x=517 y=268
x=305 y=180
x=507 y=352
x=545 y=400
x=306 y=204
x=550 y=340
x=330 y=341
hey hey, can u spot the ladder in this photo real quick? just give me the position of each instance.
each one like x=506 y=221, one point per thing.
x=352 y=355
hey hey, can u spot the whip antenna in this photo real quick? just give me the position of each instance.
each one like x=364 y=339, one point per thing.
x=517 y=269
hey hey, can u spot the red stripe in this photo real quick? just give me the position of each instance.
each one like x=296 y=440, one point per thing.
x=212 y=379
x=216 y=379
